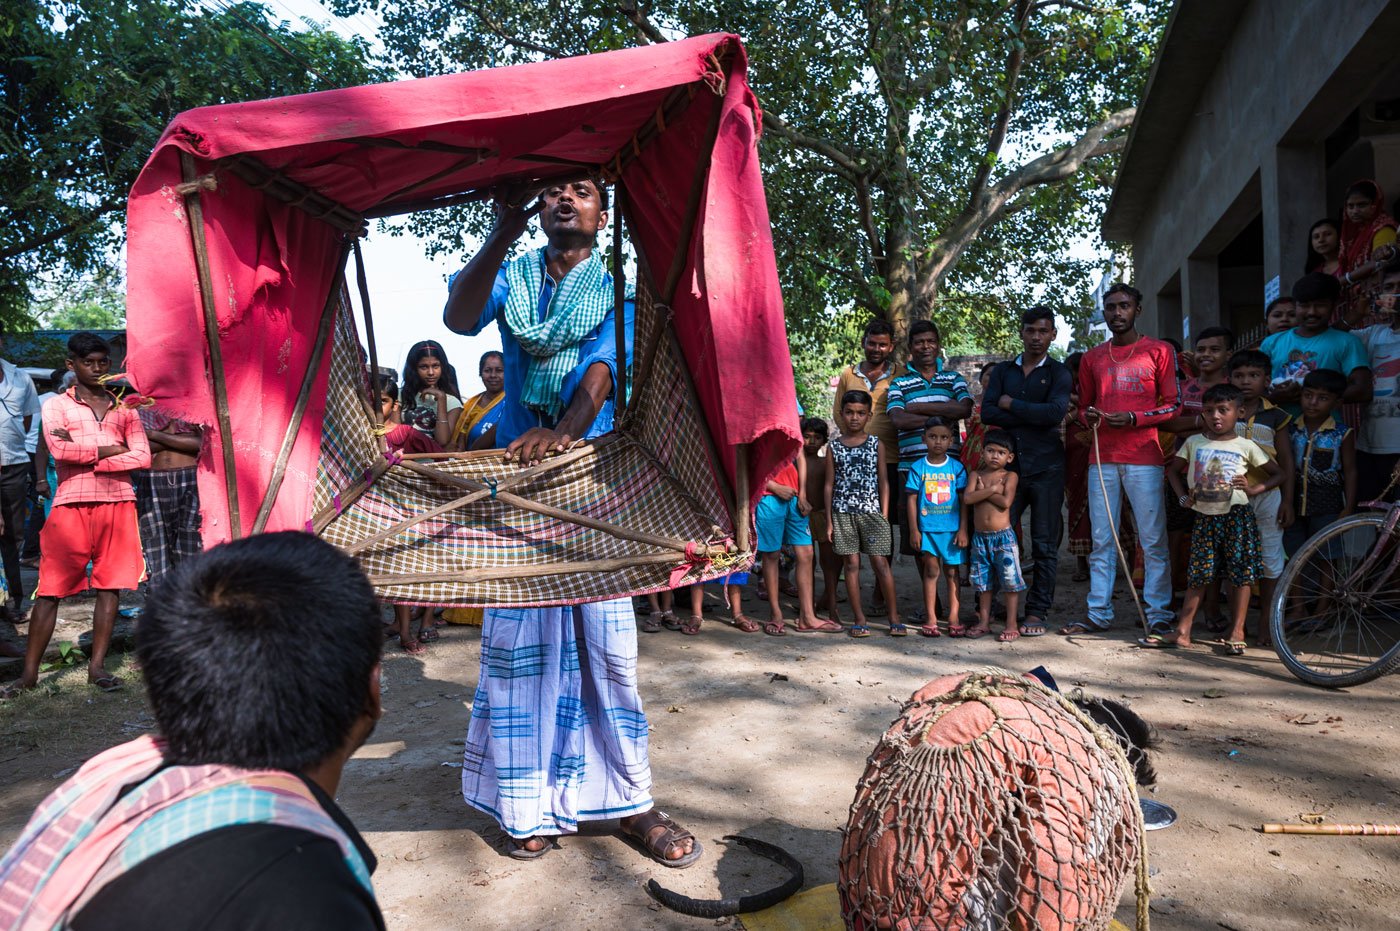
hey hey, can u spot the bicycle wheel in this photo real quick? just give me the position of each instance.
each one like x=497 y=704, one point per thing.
x=1331 y=626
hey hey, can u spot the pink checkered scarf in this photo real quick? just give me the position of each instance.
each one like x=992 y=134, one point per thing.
x=81 y=836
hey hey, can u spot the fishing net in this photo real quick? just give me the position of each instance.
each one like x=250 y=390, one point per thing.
x=992 y=803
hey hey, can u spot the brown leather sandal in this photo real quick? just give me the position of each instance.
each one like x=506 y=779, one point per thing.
x=654 y=833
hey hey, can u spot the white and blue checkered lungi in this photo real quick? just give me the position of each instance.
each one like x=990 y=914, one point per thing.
x=557 y=733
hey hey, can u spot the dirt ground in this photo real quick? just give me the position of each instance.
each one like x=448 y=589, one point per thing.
x=766 y=736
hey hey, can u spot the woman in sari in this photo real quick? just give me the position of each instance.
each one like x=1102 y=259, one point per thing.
x=1367 y=240
x=1324 y=248
x=476 y=428
x=431 y=400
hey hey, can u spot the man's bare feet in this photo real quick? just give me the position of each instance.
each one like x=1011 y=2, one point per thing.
x=1172 y=641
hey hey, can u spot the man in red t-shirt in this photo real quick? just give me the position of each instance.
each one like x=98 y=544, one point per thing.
x=1127 y=387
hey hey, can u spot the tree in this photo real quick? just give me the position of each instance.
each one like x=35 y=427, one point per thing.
x=87 y=88
x=921 y=158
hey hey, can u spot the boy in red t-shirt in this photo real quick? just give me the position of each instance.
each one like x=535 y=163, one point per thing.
x=1127 y=388
x=95 y=443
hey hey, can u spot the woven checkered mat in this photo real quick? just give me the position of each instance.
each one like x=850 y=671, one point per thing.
x=652 y=478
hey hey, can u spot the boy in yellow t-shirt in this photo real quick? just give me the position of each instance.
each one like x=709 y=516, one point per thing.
x=1210 y=476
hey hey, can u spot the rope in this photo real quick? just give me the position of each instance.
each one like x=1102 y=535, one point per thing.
x=1117 y=543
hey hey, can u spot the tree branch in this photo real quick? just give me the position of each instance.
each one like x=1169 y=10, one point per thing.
x=38 y=242
x=940 y=254
x=644 y=26
x=867 y=221
x=775 y=123
x=509 y=39
x=997 y=136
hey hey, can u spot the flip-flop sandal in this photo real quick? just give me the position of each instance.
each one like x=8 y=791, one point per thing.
x=669 y=621
x=413 y=648
x=977 y=633
x=775 y=629
x=108 y=684
x=428 y=635
x=829 y=627
x=1154 y=642
x=1075 y=629
x=899 y=630
x=1235 y=647
x=1032 y=630
x=651 y=624
x=692 y=626
x=1008 y=636
x=858 y=631
x=674 y=834
x=957 y=630
x=518 y=851
x=930 y=630
x=747 y=624
x=10 y=692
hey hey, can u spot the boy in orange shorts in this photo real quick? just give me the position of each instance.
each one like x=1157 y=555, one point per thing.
x=96 y=443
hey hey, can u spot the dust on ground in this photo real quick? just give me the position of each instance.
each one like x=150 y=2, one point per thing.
x=766 y=736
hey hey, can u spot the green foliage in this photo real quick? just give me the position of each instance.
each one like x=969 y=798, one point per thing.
x=96 y=303
x=88 y=87
x=889 y=126
x=68 y=655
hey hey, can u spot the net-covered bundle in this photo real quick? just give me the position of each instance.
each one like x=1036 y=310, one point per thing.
x=992 y=803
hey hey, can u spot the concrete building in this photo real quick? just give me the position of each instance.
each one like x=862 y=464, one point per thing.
x=1256 y=117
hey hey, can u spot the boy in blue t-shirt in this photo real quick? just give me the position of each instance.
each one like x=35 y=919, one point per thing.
x=935 y=483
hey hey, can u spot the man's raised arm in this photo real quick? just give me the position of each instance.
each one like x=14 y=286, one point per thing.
x=472 y=285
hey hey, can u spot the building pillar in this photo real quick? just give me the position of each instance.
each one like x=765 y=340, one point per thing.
x=1200 y=295
x=1293 y=188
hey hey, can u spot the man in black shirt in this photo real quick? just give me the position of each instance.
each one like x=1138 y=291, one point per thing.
x=1029 y=397
x=226 y=820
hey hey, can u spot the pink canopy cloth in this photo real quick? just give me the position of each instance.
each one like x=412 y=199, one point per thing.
x=284 y=184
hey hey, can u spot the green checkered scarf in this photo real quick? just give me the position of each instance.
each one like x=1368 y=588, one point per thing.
x=577 y=307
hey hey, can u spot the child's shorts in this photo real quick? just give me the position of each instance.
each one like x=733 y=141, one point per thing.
x=1270 y=535
x=996 y=555
x=861 y=533
x=105 y=534
x=816 y=525
x=1225 y=546
x=780 y=524
x=941 y=547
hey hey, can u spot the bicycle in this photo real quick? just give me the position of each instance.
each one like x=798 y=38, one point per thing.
x=1336 y=611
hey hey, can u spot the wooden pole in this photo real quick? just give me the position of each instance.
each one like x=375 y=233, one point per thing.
x=326 y=515
x=523 y=572
x=619 y=310
x=1335 y=830
x=741 y=497
x=373 y=387
x=470 y=498
x=308 y=380
x=525 y=504
x=194 y=213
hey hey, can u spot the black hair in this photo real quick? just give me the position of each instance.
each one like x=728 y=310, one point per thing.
x=82 y=345
x=1329 y=380
x=924 y=326
x=856 y=396
x=1316 y=286
x=1173 y=342
x=1222 y=392
x=1281 y=299
x=1250 y=359
x=412 y=384
x=1119 y=287
x=56 y=376
x=1073 y=359
x=878 y=326
x=240 y=672
x=388 y=387
x=1037 y=313
x=937 y=421
x=1134 y=734
x=987 y=367
x=1000 y=438
x=481 y=366
x=1366 y=188
x=1315 y=259
x=816 y=425
x=1214 y=332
